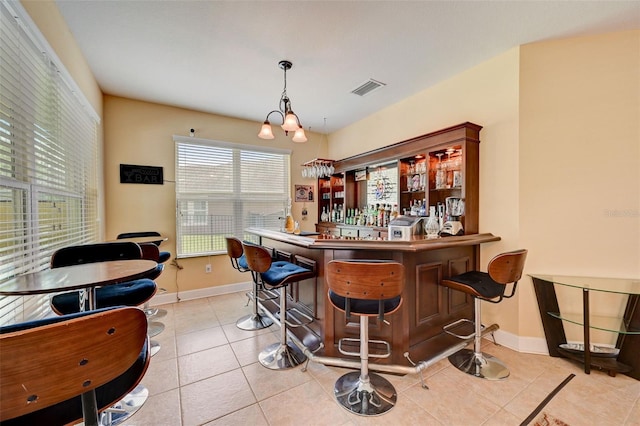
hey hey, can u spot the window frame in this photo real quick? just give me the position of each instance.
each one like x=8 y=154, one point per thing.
x=232 y=198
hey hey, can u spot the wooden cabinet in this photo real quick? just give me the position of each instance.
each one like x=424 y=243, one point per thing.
x=429 y=169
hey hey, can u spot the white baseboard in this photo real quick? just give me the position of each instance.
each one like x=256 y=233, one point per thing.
x=166 y=298
x=531 y=345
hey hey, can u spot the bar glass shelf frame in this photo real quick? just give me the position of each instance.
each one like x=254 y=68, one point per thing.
x=627 y=327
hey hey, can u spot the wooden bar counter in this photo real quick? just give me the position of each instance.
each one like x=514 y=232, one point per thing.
x=427 y=306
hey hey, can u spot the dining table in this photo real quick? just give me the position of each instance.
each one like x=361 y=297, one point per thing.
x=85 y=278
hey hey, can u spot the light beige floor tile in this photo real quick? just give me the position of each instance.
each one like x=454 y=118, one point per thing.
x=266 y=382
x=633 y=419
x=161 y=409
x=200 y=340
x=234 y=334
x=247 y=350
x=405 y=412
x=167 y=341
x=250 y=416
x=212 y=398
x=207 y=363
x=161 y=376
x=503 y=418
x=451 y=401
x=500 y=392
x=306 y=404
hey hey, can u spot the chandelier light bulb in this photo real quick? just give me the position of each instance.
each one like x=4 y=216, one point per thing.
x=265 y=131
x=290 y=122
x=299 y=135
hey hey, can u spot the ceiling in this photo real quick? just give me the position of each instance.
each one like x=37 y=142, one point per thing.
x=222 y=56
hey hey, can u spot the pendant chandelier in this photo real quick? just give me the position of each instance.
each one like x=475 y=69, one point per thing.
x=290 y=121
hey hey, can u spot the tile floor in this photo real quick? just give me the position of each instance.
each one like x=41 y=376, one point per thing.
x=207 y=373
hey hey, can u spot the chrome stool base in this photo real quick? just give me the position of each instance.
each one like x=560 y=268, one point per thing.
x=155 y=312
x=480 y=365
x=371 y=398
x=154 y=347
x=254 y=322
x=154 y=328
x=281 y=356
x=125 y=408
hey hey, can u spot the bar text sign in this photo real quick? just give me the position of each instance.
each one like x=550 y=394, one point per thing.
x=150 y=175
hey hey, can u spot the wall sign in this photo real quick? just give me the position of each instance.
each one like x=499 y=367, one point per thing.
x=150 y=175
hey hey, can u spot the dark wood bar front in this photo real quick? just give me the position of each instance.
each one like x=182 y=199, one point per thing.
x=427 y=306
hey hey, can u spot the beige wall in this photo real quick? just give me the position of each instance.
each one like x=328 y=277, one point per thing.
x=142 y=133
x=559 y=157
x=580 y=161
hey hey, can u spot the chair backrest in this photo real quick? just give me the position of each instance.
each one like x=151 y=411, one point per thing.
x=91 y=253
x=507 y=267
x=258 y=257
x=365 y=280
x=48 y=364
x=138 y=234
x=150 y=251
x=234 y=247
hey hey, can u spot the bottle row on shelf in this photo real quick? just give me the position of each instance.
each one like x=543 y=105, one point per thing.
x=378 y=215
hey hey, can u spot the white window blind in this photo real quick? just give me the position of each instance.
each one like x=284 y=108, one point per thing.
x=224 y=188
x=48 y=159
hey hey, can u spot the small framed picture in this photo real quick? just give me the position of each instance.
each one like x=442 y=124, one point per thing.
x=304 y=193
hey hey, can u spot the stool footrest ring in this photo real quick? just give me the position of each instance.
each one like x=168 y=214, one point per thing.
x=385 y=353
x=447 y=328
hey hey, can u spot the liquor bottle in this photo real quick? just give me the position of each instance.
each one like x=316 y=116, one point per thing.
x=432 y=228
x=394 y=212
x=324 y=217
x=289 y=223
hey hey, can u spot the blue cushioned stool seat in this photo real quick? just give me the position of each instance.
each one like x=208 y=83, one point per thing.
x=282 y=273
x=132 y=293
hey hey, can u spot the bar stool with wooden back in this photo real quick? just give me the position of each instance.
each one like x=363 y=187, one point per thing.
x=255 y=320
x=65 y=369
x=277 y=275
x=365 y=288
x=491 y=286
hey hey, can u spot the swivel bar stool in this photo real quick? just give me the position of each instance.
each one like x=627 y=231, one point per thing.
x=61 y=370
x=132 y=293
x=256 y=320
x=489 y=286
x=277 y=275
x=151 y=252
x=365 y=288
x=163 y=257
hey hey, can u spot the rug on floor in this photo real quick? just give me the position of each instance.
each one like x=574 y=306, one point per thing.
x=546 y=419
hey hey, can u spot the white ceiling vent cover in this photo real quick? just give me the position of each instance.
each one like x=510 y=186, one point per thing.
x=367 y=87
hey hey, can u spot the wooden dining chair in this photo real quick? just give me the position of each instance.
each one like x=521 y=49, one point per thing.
x=48 y=364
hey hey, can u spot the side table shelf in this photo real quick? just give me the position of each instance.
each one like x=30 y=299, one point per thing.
x=627 y=327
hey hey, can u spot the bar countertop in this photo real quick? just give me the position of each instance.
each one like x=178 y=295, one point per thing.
x=416 y=244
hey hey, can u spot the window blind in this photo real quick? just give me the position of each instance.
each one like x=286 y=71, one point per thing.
x=48 y=159
x=224 y=188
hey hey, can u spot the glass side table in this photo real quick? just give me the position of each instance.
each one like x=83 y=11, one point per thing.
x=627 y=327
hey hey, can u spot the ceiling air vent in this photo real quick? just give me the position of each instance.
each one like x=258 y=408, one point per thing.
x=367 y=87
